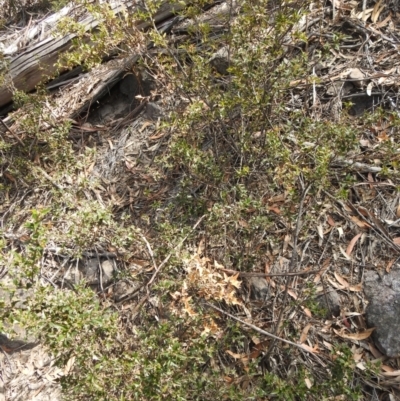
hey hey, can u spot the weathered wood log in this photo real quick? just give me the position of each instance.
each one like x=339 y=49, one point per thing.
x=38 y=62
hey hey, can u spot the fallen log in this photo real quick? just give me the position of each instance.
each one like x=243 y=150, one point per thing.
x=37 y=62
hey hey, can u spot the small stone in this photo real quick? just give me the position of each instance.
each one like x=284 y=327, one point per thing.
x=339 y=89
x=153 y=111
x=123 y=288
x=20 y=298
x=108 y=271
x=90 y=270
x=330 y=301
x=259 y=289
x=356 y=75
x=221 y=60
x=74 y=276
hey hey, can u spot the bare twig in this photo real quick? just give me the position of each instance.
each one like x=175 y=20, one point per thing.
x=260 y=274
x=266 y=333
x=150 y=251
x=11 y=132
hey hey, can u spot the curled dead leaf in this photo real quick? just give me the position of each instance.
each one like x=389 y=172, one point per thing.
x=313 y=350
x=304 y=333
x=360 y=223
x=355 y=336
x=350 y=247
x=391 y=374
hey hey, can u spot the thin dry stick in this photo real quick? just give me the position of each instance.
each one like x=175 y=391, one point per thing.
x=261 y=331
x=291 y=268
x=150 y=250
x=11 y=132
x=245 y=274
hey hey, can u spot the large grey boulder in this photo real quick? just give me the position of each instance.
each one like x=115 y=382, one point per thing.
x=383 y=311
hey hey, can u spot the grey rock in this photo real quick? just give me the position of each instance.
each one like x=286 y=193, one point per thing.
x=357 y=75
x=15 y=297
x=339 y=88
x=108 y=271
x=330 y=301
x=90 y=270
x=74 y=276
x=221 y=60
x=153 y=111
x=259 y=289
x=21 y=297
x=383 y=311
x=124 y=288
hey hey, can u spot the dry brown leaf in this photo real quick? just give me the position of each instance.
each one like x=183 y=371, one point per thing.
x=355 y=336
x=398 y=212
x=304 y=333
x=370 y=177
x=396 y=240
x=233 y=280
x=364 y=15
x=242 y=357
x=145 y=125
x=188 y=309
x=274 y=209
x=320 y=231
x=313 y=350
x=336 y=285
x=359 y=222
x=387 y=368
x=331 y=222
x=377 y=11
x=267 y=268
x=243 y=223
x=341 y=280
x=70 y=364
x=356 y=288
x=389 y=265
x=384 y=22
x=391 y=374
x=210 y=327
x=343 y=252
x=350 y=247
x=254 y=354
x=9 y=176
x=374 y=351
x=307 y=311
x=325 y=266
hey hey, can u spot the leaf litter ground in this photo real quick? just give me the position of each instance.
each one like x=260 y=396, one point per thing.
x=337 y=240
